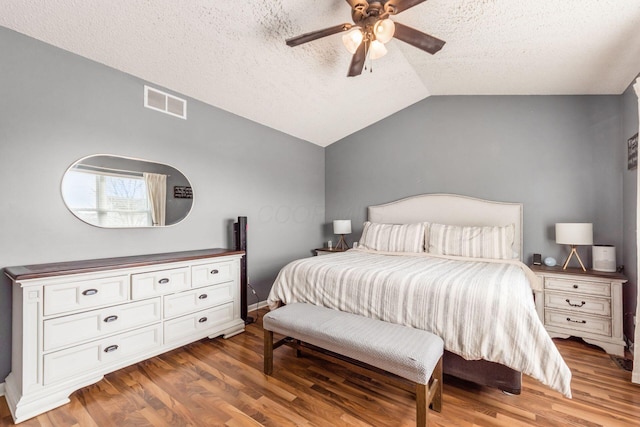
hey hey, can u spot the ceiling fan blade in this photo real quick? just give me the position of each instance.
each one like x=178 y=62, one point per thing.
x=401 y=5
x=314 y=35
x=418 y=38
x=357 y=62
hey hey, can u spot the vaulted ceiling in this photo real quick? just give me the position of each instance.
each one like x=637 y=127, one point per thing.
x=232 y=54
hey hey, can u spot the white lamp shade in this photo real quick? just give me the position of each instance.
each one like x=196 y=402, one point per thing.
x=342 y=226
x=574 y=233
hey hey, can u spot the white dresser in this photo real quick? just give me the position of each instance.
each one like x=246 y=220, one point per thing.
x=73 y=322
x=582 y=304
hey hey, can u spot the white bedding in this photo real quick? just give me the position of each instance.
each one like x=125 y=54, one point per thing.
x=482 y=309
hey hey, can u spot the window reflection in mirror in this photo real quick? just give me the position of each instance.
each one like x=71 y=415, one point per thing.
x=116 y=192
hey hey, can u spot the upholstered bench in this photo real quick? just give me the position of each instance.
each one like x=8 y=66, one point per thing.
x=412 y=354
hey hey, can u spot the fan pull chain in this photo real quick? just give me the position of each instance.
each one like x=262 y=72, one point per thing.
x=368 y=60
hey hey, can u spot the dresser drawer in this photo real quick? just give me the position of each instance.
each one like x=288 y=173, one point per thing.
x=212 y=273
x=80 y=295
x=98 y=355
x=577 y=322
x=578 y=286
x=197 y=323
x=578 y=303
x=145 y=285
x=197 y=299
x=76 y=328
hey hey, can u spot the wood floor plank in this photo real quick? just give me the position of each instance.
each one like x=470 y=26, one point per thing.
x=220 y=383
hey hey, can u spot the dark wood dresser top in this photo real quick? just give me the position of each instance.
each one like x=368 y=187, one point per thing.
x=37 y=271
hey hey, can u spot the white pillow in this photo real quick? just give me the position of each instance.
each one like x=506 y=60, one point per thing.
x=494 y=242
x=393 y=237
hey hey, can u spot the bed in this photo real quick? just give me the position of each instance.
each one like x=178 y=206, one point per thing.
x=451 y=265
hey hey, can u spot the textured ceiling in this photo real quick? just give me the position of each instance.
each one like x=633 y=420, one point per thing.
x=232 y=55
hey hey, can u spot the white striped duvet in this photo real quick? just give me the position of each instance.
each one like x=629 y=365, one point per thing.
x=481 y=309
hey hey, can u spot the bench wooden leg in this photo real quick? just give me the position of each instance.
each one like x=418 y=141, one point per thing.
x=298 y=351
x=429 y=395
x=422 y=404
x=268 y=352
x=436 y=387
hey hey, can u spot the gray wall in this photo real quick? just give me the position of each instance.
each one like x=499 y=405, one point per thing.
x=630 y=184
x=562 y=156
x=56 y=107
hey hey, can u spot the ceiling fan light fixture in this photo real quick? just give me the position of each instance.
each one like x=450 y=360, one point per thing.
x=377 y=50
x=352 y=39
x=384 y=30
x=365 y=40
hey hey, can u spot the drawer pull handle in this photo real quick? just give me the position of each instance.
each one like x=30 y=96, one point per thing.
x=575 y=305
x=89 y=292
x=203 y=296
x=576 y=321
x=214 y=271
x=110 y=319
x=575 y=286
x=202 y=319
x=111 y=348
x=163 y=281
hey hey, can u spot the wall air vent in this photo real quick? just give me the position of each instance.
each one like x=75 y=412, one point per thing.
x=161 y=101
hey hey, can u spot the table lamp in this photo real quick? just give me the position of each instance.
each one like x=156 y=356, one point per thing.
x=342 y=227
x=574 y=234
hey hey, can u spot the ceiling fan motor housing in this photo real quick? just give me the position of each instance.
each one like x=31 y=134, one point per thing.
x=367 y=13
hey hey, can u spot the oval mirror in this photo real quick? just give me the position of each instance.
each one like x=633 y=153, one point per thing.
x=118 y=192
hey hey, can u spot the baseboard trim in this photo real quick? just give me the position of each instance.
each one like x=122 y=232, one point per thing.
x=257 y=306
x=1 y=389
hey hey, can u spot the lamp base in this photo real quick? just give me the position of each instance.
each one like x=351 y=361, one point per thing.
x=573 y=252
x=342 y=244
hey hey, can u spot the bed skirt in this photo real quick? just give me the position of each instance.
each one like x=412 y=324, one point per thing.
x=482 y=372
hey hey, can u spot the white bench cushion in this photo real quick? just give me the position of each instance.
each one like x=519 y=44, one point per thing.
x=407 y=352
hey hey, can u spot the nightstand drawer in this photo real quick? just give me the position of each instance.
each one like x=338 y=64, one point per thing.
x=578 y=286
x=576 y=322
x=578 y=303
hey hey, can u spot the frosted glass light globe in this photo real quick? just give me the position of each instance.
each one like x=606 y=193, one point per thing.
x=378 y=50
x=384 y=30
x=352 y=39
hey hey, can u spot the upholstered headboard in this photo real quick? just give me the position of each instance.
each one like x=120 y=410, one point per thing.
x=451 y=209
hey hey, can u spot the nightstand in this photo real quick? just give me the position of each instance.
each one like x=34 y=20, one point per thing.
x=327 y=251
x=582 y=304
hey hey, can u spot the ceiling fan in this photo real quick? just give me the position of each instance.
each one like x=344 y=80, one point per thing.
x=372 y=30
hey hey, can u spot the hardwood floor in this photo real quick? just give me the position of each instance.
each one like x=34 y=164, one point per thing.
x=220 y=383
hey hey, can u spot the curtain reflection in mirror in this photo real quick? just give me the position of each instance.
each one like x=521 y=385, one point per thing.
x=157 y=192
